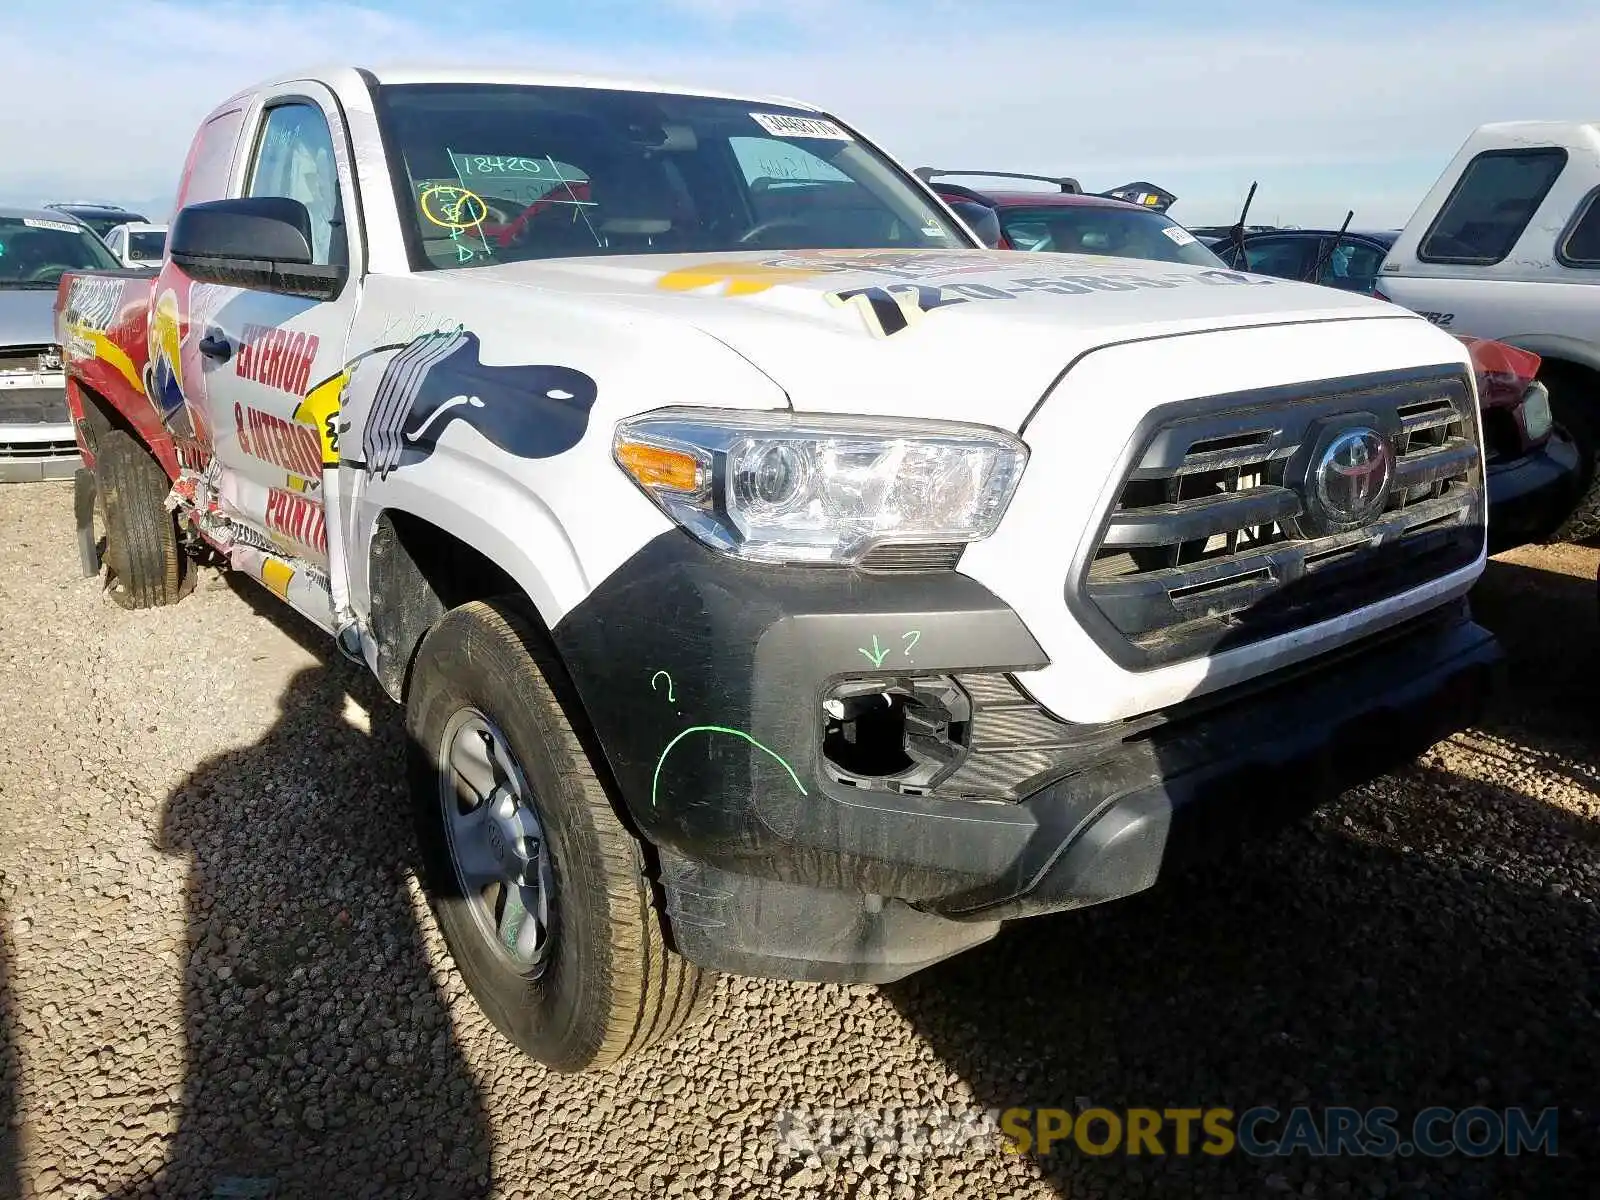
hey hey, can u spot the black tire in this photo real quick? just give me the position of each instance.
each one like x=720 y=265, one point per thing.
x=143 y=561
x=1575 y=404
x=610 y=985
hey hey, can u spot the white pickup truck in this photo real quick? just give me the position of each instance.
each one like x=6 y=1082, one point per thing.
x=1507 y=246
x=774 y=580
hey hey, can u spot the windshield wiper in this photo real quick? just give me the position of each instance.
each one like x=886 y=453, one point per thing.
x=1327 y=251
x=1241 y=260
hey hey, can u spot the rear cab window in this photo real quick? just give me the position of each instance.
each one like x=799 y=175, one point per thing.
x=1491 y=204
x=1580 y=246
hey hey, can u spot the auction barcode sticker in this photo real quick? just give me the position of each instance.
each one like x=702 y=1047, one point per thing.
x=58 y=226
x=784 y=125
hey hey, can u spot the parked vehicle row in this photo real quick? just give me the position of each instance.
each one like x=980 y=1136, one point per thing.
x=138 y=245
x=775 y=579
x=37 y=246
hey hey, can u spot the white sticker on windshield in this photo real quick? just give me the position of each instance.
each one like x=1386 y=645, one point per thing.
x=58 y=226
x=784 y=125
x=1179 y=234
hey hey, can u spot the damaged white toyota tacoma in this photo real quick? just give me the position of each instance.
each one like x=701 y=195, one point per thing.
x=774 y=580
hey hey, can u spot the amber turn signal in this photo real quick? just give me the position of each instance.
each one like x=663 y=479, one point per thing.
x=658 y=468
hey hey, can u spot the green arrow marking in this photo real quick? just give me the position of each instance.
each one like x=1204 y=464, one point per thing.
x=877 y=654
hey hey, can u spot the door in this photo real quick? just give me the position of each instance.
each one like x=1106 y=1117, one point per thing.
x=1353 y=265
x=1285 y=257
x=273 y=363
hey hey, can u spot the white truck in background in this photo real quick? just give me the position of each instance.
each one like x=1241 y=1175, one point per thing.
x=1506 y=245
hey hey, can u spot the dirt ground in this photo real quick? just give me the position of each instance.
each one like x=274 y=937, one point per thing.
x=218 y=977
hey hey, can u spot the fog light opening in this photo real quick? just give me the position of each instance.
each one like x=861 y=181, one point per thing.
x=904 y=735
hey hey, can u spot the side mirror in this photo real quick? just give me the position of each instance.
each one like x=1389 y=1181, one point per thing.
x=980 y=218
x=262 y=243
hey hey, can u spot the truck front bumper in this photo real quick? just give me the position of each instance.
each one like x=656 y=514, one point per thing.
x=1530 y=496
x=30 y=453
x=712 y=689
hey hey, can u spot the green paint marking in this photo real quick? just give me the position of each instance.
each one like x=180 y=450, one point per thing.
x=915 y=635
x=877 y=654
x=655 y=782
x=658 y=675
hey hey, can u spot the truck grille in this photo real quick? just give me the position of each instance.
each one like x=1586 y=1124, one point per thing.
x=33 y=406
x=1217 y=538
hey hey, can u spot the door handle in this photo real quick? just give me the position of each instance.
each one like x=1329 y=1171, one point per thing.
x=215 y=345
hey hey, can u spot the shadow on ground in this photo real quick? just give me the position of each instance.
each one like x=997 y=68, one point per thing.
x=320 y=1057
x=10 y=1070
x=1332 y=965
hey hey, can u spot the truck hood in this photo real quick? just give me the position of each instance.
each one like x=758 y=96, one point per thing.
x=27 y=316
x=977 y=335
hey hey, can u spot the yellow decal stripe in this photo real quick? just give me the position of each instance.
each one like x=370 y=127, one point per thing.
x=320 y=410
x=276 y=575
x=109 y=352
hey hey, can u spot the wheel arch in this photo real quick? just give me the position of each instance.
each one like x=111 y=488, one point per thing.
x=418 y=570
x=1559 y=350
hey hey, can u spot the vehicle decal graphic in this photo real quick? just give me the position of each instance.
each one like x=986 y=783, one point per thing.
x=277 y=358
x=320 y=410
x=736 y=278
x=290 y=445
x=277 y=574
x=532 y=411
x=291 y=516
x=164 y=374
x=92 y=303
x=889 y=309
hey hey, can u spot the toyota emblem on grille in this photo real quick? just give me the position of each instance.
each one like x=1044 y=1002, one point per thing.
x=1351 y=480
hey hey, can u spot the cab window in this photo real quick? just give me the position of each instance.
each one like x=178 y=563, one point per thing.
x=1581 y=246
x=1491 y=205
x=294 y=159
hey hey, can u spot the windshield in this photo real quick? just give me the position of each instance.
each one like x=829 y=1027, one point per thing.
x=146 y=245
x=495 y=173
x=1102 y=229
x=35 y=252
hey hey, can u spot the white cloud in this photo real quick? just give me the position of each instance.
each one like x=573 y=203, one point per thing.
x=1327 y=113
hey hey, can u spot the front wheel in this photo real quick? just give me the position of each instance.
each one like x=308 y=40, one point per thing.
x=539 y=889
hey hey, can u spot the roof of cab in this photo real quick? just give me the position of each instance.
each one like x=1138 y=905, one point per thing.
x=39 y=214
x=402 y=74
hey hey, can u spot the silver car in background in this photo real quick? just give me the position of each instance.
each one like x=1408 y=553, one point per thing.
x=36 y=247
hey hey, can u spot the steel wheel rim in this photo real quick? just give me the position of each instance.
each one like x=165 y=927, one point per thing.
x=496 y=842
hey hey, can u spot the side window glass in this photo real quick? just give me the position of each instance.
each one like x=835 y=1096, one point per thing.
x=1285 y=258
x=1491 y=205
x=294 y=159
x=1581 y=246
x=1353 y=266
x=205 y=176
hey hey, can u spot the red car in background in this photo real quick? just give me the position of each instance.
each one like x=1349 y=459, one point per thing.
x=1126 y=222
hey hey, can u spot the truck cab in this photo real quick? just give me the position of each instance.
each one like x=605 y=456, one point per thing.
x=774 y=580
x=1506 y=246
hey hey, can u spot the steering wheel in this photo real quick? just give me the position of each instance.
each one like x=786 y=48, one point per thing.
x=761 y=228
x=43 y=274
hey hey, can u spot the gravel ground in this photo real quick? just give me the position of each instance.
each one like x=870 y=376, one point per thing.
x=218 y=977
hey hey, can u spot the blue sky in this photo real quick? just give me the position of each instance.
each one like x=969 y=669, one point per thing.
x=1334 y=105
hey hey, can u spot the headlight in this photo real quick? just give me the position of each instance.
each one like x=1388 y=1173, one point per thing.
x=1536 y=418
x=785 y=488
